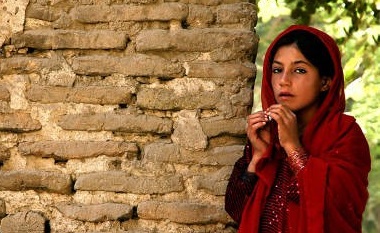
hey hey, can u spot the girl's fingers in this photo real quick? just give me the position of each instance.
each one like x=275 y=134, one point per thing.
x=280 y=113
x=256 y=118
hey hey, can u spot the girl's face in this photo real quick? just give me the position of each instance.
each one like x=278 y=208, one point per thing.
x=296 y=82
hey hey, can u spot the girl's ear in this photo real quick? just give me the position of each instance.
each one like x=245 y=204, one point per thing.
x=326 y=81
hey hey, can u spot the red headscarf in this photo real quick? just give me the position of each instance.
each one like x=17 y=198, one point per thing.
x=333 y=185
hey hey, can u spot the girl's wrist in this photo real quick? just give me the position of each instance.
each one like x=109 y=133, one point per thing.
x=251 y=167
x=292 y=147
x=297 y=159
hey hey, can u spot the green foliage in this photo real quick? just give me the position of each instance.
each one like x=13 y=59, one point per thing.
x=355 y=25
x=362 y=93
x=358 y=11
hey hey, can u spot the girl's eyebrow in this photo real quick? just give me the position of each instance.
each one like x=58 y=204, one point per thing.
x=295 y=62
x=302 y=62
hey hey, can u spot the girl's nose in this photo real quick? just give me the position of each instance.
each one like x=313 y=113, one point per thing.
x=285 y=78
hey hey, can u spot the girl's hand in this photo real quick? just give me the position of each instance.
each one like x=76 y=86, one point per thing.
x=259 y=136
x=287 y=126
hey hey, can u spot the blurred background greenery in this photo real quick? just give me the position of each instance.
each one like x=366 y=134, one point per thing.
x=355 y=25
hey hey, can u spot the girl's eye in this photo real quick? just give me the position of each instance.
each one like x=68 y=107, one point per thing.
x=276 y=70
x=300 y=71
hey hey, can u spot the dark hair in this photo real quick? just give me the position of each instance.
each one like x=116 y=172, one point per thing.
x=311 y=47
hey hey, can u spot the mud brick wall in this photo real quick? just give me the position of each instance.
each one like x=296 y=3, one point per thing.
x=122 y=115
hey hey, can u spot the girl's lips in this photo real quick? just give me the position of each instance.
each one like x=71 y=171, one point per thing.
x=285 y=95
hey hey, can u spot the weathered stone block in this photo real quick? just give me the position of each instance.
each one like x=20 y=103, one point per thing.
x=180 y=212
x=172 y=153
x=223 y=155
x=4 y=94
x=216 y=126
x=117 y=122
x=155 y=12
x=200 y=16
x=244 y=13
x=23 y=222
x=18 y=122
x=243 y=98
x=231 y=71
x=215 y=182
x=212 y=2
x=37 y=180
x=49 y=14
x=162 y=152
x=97 y=213
x=132 y=65
x=89 y=94
x=64 y=150
x=75 y=39
x=12 y=18
x=129 y=231
x=185 y=94
x=118 y=181
x=196 y=40
x=188 y=131
x=17 y=65
x=4 y=153
x=3 y=211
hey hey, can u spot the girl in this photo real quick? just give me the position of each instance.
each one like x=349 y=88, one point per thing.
x=306 y=163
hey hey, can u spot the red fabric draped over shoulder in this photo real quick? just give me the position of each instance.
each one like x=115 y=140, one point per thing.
x=333 y=184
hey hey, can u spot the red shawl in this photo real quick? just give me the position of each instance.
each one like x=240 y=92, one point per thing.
x=333 y=185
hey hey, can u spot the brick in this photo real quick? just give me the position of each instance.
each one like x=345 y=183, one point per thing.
x=243 y=98
x=3 y=211
x=89 y=94
x=49 y=14
x=212 y=2
x=180 y=94
x=214 y=182
x=230 y=71
x=12 y=19
x=196 y=40
x=5 y=107
x=18 y=122
x=243 y=13
x=182 y=212
x=5 y=153
x=194 y=139
x=200 y=16
x=24 y=222
x=172 y=153
x=83 y=122
x=17 y=65
x=119 y=181
x=162 y=152
x=64 y=150
x=36 y=180
x=222 y=155
x=97 y=213
x=117 y=122
x=4 y=94
x=215 y=126
x=129 y=231
x=131 y=65
x=70 y=39
x=154 y=12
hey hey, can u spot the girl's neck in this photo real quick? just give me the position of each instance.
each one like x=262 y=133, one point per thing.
x=303 y=118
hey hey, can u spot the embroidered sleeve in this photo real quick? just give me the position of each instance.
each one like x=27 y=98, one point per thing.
x=297 y=159
x=239 y=188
